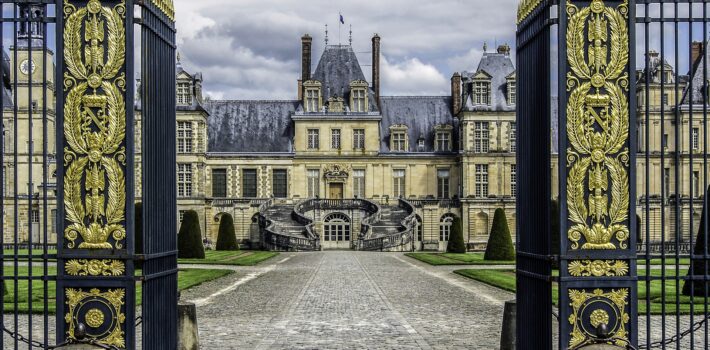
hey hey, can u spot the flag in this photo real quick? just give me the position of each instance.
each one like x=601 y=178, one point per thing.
x=342 y=20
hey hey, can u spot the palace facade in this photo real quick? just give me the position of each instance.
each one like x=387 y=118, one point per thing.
x=342 y=164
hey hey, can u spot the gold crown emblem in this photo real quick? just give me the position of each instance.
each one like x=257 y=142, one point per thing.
x=94 y=101
x=597 y=100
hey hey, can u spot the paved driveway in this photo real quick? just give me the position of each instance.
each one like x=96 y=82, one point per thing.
x=347 y=300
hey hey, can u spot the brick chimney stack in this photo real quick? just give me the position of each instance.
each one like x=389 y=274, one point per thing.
x=456 y=93
x=306 y=43
x=696 y=51
x=376 y=68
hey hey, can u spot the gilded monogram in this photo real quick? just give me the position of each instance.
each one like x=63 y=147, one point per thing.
x=598 y=126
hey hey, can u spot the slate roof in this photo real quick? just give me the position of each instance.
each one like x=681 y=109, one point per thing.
x=250 y=126
x=421 y=114
x=699 y=81
x=337 y=68
x=498 y=66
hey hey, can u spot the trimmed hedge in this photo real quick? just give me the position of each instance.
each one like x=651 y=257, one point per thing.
x=698 y=268
x=456 y=243
x=226 y=239
x=190 y=237
x=500 y=244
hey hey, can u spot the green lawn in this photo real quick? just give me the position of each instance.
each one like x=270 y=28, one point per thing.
x=505 y=279
x=187 y=278
x=239 y=257
x=456 y=259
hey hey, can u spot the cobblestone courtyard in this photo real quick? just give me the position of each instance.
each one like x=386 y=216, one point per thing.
x=347 y=300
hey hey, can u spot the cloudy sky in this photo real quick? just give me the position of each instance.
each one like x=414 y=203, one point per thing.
x=250 y=49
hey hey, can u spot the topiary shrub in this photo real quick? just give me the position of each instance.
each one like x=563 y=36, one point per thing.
x=190 y=238
x=456 y=243
x=500 y=244
x=698 y=267
x=226 y=238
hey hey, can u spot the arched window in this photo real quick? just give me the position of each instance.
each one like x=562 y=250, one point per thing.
x=336 y=228
x=445 y=226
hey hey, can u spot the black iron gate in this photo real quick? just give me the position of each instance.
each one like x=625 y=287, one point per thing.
x=74 y=266
x=620 y=88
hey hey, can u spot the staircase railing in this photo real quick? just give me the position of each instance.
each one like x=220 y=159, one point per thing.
x=402 y=237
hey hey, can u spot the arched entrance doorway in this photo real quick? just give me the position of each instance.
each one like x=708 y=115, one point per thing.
x=337 y=231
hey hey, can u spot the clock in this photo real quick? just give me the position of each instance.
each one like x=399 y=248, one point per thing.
x=27 y=67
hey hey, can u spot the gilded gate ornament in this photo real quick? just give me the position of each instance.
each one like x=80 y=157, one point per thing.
x=598 y=126
x=94 y=267
x=591 y=309
x=101 y=311
x=598 y=268
x=95 y=125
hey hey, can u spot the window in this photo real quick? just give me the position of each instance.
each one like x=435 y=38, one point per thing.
x=696 y=184
x=513 y=180
x=249 y=183
x=358 y=98
x=665 y=99
x=666 y=182
x=512 y=92
x=443 y=141
x=481 y=93
x=696 y=138
x=184 y=134
x=481 y=180
x=399 y=141
x=398 y=184
x=280 y=181
x=53 y=221
x=513 y=137
x=442 y=177
x=35 y=216
x=312 y=100
x=181 y=214
x=335 y=139
x=420 y=232
x=665 y=141
x=219 y=183
x=481 y=137
x=445 y=227
x=313 y=139
x=359 y=139
x=359 y=183
x=184 y=180
x=313 y=183
x=184 y=97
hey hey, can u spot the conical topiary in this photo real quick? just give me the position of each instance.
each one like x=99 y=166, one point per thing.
x=456 y=243
x=699 y=267
x=500 y=244
x=190 y=238
x=226 y=238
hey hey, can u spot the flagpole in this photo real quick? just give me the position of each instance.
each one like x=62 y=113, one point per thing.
x=340 y=22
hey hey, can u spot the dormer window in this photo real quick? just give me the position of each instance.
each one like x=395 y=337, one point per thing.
x=398 y=138
x=482 y=92
x=312 y=97
x=358 y=96
x=184 y=96
x=512 y=92
x=443 y=138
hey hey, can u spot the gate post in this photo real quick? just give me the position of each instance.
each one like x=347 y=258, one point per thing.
x=597 y=280
x=95 y=272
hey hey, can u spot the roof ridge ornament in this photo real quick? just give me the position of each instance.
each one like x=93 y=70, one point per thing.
x=326 y=34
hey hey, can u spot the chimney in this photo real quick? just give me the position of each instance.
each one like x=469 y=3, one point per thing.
x=504 y=49
x=376 y=68
x=300 y=89
x=696 y=51
x=456 y=93
x=306 y=42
